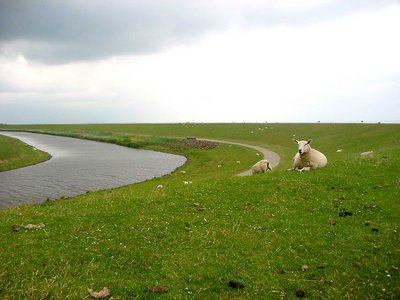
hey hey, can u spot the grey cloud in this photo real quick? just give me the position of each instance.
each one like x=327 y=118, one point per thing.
x=62 y=31
x=56 y=31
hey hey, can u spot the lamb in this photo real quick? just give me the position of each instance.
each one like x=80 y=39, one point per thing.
x=261 y=167
x=307 y=158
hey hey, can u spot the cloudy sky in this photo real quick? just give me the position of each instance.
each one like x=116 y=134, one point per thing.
x=140 y=61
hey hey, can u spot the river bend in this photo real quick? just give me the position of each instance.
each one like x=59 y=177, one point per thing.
x=78 y=166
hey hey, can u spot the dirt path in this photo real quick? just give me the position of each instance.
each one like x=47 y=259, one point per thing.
x=273 y=157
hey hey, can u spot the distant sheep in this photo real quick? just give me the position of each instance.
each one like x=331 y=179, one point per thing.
x=368 y=154
x=261 y=167
x=307 y=158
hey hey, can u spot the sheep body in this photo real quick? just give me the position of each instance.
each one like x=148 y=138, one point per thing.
x=368 y=154
x=308 y=158
x=261 y=167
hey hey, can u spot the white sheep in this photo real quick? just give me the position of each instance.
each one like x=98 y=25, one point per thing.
x=307 y=158
x=261 y=167
x=368 y=154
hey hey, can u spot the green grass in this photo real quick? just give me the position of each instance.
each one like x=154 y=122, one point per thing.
x=259 y=230
x=16 y=154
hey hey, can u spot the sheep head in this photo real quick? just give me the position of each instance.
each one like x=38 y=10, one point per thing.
x=303 y=146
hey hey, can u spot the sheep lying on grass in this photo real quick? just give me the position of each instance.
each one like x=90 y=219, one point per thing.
x=307 y=158
x=261 y=167
x=368 y=154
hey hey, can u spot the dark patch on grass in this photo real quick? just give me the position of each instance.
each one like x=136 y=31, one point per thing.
x=345 y=213
x=300 y=294
x=236 y=284
x=192 y=144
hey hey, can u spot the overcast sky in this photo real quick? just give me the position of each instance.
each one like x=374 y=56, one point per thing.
x=140 y=61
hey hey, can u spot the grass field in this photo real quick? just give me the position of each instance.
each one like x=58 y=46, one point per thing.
x=327 y=234
x=15 y=154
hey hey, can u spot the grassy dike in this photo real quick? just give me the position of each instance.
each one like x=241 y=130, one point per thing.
x=16 y=154
x=327 y=234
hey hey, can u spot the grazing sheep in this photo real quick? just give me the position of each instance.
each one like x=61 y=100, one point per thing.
x=261 y=167
x=307 y=158
x=368 y=154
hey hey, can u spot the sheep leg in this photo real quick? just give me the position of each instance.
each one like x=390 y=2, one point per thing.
x=302 y=169
x=313 y=165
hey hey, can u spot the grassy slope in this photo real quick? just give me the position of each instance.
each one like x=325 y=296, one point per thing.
x=353 y=138
x=195 y=238
x=16 y=154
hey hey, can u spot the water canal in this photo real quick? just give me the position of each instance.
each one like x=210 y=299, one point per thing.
x=78 y=166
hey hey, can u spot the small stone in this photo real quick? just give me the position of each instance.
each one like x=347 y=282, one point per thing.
x=27 y=227
x=17 y=227
x=236 y=284
x=34 y=226
x=104 y=293
x=304 y=268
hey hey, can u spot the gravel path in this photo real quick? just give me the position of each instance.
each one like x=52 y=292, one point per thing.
x=272 y=157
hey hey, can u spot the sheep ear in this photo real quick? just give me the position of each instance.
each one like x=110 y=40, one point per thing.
x=294 y=140
x=309 y=142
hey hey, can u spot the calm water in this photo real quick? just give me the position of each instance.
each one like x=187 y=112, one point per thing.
x=78 y=166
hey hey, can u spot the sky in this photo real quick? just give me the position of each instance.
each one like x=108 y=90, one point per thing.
x=158 y=61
